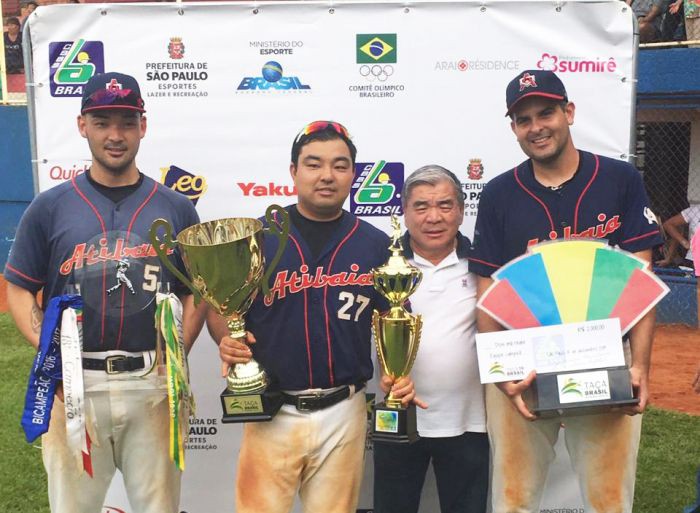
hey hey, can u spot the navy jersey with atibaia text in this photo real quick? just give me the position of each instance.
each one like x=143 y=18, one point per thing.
x=604 y=200
x=73 y=235
x=314 y=330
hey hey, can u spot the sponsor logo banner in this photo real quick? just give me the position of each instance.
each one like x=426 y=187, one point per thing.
x=376 y=190
x=276 y=46
x=184 y=182
x=177 y=77
x=473 y=65
x=376 y=48
x=583 y=386
x=377 y=56
x=272 y=79
x=564 y=64
x=72 y=64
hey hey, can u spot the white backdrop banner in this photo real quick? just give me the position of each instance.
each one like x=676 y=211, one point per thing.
x=228 y=85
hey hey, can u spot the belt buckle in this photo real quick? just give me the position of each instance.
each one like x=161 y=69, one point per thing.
x=109 y=363
x=305 y=402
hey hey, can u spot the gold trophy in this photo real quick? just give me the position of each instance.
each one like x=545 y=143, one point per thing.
x=397 y=336
x=226 y=262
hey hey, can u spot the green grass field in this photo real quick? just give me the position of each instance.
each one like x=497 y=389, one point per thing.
x=668 y=457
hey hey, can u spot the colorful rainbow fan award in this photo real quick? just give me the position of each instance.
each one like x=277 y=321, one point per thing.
x=566 y=305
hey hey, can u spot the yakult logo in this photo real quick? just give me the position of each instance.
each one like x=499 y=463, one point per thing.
x=551 y=62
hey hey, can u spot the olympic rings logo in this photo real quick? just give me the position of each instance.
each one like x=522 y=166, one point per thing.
x=376 y=72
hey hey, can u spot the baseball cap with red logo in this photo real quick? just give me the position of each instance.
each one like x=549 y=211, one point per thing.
x=112 y=91
x=534 y=82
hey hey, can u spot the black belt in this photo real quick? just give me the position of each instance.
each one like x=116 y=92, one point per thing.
x=318 y=400
x=114 y=364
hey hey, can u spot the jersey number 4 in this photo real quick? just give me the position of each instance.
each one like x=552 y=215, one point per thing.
x=349 y=300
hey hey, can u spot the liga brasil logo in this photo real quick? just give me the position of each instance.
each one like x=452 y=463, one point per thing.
x=72 y=64
x=184 y=182
x=272 y=79
x=376 y=190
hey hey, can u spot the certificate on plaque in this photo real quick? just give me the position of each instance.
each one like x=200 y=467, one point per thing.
x=580 y=366
x=545 y=298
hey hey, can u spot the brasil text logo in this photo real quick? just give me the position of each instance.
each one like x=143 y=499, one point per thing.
x=272 y=79
x=376 y=48
x=376 y=190
x=72 y=63
x=183 y=182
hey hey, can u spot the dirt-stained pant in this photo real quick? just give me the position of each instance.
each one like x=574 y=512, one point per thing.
x=603 y=450
x=131 y=433
x=319 y=453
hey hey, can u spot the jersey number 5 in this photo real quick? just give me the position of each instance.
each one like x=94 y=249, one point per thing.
x=349 y=300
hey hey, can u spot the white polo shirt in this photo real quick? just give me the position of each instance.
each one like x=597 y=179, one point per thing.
x=445 y=372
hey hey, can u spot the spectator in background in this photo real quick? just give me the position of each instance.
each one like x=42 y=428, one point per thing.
x=675 y=227
x=648 y=13
x=25 y=9
x=13 y=47
x=691 y=13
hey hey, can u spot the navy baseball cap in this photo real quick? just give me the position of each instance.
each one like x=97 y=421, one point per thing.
x=534 y=82
x=112 y=91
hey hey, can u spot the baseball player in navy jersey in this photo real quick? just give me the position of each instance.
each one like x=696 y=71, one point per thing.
x=312 y=335
x=560 y=192
x=89 y=233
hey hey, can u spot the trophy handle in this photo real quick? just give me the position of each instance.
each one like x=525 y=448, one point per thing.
x=169 y=243
x=280 y=231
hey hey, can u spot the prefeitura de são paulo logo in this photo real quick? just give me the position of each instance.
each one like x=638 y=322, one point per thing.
x=376 y=190
x=72 y=64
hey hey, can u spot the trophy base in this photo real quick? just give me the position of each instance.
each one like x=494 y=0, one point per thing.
x=249 y=407
x=584 y=392
x=394 y=425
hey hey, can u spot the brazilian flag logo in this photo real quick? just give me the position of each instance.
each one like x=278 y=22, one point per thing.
x=376 y=48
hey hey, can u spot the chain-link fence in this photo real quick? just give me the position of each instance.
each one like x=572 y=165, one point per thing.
x=668 y=155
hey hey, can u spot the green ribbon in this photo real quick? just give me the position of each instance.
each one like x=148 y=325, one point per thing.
x=180 y=398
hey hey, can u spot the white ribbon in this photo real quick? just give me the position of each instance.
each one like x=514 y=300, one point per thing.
x=73 y=389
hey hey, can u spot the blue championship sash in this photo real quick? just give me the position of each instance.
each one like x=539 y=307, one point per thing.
x=46 y=371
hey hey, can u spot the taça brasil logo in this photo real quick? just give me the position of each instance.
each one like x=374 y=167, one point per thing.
x=496 y=368
x=571 y=386
x=376 y=48
x=272 y=78
x=72 y=63
x=184 y=182
x=377 y=188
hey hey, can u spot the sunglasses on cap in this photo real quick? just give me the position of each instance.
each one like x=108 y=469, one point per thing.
x=317 y=126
